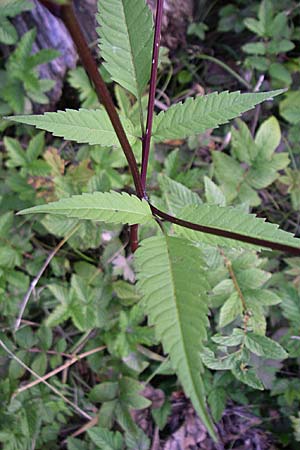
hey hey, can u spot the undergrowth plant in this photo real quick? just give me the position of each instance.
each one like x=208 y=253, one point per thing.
x=20 y=83
x=197 y=255
x=10 y=9
x=274 y=39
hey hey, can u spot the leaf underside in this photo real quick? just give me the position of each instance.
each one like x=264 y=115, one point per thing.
x=233 y=220
x=194 y=116
x=82 y=126
x=110 y=207
x=174 y=298
x=126 y=37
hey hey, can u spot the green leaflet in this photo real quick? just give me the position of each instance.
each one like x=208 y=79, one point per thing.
x=10 y=8
x=175 y=301
x=176 y=194
x=110 y=207
x=194 y=116
x=8 y=33
x=126 y=37
x=83 y=126
x=105 y=439
x=264 y=346
x=233 y=220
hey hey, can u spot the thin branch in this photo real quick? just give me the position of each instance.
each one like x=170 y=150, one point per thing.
x=73 y=26
x=226 y=234
x=69 y=363
x=229 y=267
x=37 y=278
x=151 y=101
x=41 y=380
x=134 y=237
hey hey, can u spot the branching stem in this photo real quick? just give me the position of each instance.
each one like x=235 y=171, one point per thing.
x=225 y=233
x=67 y=14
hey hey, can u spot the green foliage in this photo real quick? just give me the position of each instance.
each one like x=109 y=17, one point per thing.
x=274 y=34
x=109 y=207
x=200 y=114
x=79 y=80
x=83 y=126
x=206 y=309
x=179 y=312
x=231 y=219
x=20 y=81
x=105 y=439
x=258 y=155
x=9 y=9
x=127 y=47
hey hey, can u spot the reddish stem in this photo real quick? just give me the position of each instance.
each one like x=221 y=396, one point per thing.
x=104 y=96
x=226 y=234
x=134 y=237
x=70 y=20
x=153 y=79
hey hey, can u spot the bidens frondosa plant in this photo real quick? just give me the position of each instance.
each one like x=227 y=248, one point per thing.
x=171 y=265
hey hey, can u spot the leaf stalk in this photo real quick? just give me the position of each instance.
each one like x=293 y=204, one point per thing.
x=153 y=79
x=225 y=233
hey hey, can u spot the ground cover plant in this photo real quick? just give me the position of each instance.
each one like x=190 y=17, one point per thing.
x=160 y=286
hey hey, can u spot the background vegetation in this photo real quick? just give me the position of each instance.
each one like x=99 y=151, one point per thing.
x=68 y=302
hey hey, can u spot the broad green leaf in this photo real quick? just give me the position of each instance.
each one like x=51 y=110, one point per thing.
x=265 y=15
x=39 y=364
x=234 y=220
x=130 y=394
x=222 y=363
x=247 y=375
x=243 y=145
x=83 y=126
x=104 y=392
x=254 y=48
x=281 y=73
x=79 y=80
x=213 y=193
x=110 y=207
x=8 y=33
x=290 y=306
x=6 y=223
x=236 y=338
x=268 y=137
x=35 y=147
x=290 y=107
x=194 y=116
x=10 y=8
x=257 y=321
x=264 y=346
x=217 y=402
x=254 y=25
x=16 y=154
x=84 y=305
x=231 y=309
x=160 y=415
x=76 y=444
x=105 y=439
x=175 y=301
x=176 y=194
x=126 y=39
